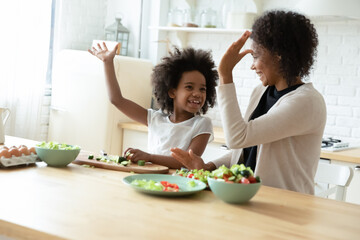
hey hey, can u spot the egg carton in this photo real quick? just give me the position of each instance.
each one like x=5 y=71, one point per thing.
x=17 y=161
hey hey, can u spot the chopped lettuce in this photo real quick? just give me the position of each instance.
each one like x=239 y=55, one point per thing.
x=191 y=183
x=149 y=185
x=236 y=173
x=56 y=146
x=198 y=174
x=219 y=173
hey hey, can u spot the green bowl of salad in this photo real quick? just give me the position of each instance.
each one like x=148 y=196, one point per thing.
x=234 y=185
x=57 y=154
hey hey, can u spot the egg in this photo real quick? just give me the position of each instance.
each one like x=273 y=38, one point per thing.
x=14 y=152
x=24 y=150
x=5 y=153
x=3 y=147
x=32 y=150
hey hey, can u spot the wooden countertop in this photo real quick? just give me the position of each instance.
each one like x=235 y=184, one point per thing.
x=349 y=155
x=76 y=202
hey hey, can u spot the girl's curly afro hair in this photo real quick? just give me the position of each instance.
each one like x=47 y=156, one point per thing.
x=167 y=74
x=291 y=36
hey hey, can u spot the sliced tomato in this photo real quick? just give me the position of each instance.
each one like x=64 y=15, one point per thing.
x=164 y=183
x=252 y=179
x=244 y=180
x=227 y=175
x=167 y=184
x=190 y=175
x=173 y=185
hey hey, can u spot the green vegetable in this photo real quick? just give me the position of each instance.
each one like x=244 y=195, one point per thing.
x=245 y=173
x=232 y=178
x=121 y=159
x=219 y=173
x=235 y=174
x=125 y=163
x=236 y=169
x=191 y=183
x=149 y=185
x=57 y=146
x=141 y=162
x=91 y=156
x=199 y=174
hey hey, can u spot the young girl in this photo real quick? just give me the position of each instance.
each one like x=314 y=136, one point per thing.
x=184 y=87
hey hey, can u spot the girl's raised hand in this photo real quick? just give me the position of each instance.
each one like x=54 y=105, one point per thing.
x=103 y=53
x=231 y=57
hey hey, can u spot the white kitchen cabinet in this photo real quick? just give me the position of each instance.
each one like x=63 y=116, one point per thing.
x=134 y=139
x=353 y=191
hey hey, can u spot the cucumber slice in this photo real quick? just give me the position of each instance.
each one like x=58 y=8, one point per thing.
x=124 y=163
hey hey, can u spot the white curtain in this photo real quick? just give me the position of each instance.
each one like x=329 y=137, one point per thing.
x=24 y=43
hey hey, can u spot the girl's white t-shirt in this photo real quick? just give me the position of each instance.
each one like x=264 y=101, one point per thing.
x=164 y=134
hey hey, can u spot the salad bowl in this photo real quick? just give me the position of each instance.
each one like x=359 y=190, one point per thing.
x=233 y=192
x=57 y=155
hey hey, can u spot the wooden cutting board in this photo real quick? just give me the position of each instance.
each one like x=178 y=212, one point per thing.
x=133 y=167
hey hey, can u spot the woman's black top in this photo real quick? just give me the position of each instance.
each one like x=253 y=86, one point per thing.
x=268 y=99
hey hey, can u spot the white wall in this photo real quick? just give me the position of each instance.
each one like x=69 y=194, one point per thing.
x=79 y=22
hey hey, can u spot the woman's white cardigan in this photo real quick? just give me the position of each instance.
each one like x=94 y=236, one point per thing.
x=288 y=136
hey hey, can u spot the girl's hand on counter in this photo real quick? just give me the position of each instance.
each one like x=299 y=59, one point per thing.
x=231 y=57
x=136 y=154
x=190 y=160
x=103 y=53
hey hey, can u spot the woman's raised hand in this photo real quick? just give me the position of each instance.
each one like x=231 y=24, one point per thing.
x=189 y=159
x=231 y=57
x=103 y=53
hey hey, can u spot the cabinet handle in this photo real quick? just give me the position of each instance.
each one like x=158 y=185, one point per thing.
x=357 y=168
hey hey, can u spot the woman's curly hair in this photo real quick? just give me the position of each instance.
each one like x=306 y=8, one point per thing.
x=167 y=74
x=291 y=36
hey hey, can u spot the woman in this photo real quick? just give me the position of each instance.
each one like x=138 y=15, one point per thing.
x=280 y=135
